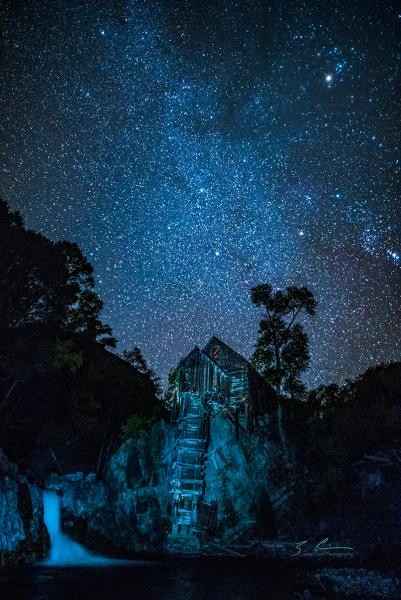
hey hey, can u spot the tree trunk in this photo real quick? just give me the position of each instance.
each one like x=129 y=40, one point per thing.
x=280 y=418
x=281 y=431
x=280 y=411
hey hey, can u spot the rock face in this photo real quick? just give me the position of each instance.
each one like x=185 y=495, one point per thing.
x=23 y=535
x=217 y=474
x=127 y=512
x=246 y=478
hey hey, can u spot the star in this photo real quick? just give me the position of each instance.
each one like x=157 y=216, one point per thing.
x=192 y=157
x=394 y=256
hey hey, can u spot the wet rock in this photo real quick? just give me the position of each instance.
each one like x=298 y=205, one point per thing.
x=127 y=512
x=23 y=535
x=356 y=583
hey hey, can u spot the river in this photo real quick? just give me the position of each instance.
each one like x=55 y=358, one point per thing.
x=186 y=579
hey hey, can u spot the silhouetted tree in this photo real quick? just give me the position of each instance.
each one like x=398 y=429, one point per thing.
x=282 y=352
x=83 y=314
x=60 y=390
x=34 y=284
x=136 y=359
x=46 y=283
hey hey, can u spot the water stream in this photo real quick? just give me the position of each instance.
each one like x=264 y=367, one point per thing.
x=63 y=550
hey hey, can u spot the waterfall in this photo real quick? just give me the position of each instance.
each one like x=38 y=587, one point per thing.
x=63 y=550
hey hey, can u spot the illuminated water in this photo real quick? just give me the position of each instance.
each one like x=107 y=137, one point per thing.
x=63 y=550
x=73 y=573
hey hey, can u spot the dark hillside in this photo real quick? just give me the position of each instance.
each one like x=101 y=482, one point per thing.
x=64 y=400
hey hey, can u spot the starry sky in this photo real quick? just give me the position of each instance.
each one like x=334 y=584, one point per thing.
x=196 y=148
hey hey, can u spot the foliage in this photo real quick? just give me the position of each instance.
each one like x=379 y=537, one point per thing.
x=170 y=395
x=62 y=393
x=136 y=359
x=135 y=425
x=174 y=378
x=66 y=357
x=47 y=284
x=342 y=422
x=33 y=276
x=83 y=315
x=324 y=398
x=344 y=436
x=282 y=352
x=49 y=399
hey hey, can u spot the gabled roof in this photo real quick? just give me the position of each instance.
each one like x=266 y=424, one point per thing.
x=215 y=340
x=233 y=365
x=197 y=350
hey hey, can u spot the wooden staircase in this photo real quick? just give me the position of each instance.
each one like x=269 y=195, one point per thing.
x=187 y=483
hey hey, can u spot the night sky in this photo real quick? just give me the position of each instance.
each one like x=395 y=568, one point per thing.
x=194 y=149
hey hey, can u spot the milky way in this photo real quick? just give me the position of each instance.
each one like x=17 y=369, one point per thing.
x=194 y=149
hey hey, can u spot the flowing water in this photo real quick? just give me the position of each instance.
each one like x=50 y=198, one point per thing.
x=63 y=550
x=73 y=573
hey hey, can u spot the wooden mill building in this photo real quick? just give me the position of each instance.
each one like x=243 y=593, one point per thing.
x=214 y=381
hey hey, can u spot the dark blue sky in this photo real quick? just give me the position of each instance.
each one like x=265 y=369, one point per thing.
x=194 y=149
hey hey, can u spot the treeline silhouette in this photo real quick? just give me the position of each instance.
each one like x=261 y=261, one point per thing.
x=63 y=396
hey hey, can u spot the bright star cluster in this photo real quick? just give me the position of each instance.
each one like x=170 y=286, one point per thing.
x=194 y=149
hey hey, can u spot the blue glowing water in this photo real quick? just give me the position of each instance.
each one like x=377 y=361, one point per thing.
x=63 y=550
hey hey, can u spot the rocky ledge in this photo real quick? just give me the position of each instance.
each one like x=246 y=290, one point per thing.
x=126 y=512
x=23 y=535
x=351 y=583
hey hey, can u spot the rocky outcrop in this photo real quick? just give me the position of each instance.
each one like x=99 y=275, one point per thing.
x=126 y=513
x=129 y=510
x=360 y=583
x=23 y=535
x=248 y=480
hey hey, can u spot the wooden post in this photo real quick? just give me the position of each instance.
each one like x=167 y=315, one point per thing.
x=237 y=423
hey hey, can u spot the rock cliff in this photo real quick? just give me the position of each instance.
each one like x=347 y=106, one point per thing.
x=23 y=535
x=247 y=479
x=126 y=512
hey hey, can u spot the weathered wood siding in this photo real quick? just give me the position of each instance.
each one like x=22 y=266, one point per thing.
x=201 y=375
